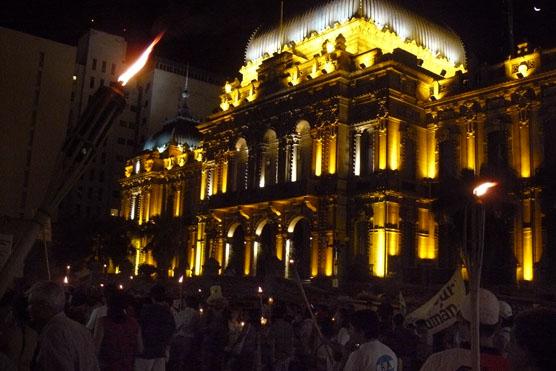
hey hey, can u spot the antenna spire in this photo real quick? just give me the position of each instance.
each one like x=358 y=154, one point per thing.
x=281 y=32
x=183 y=111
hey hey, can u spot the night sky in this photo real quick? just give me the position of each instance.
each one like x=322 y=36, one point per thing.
x=213 y=34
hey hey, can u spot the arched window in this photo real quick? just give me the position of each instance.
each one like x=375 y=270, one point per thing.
x=303 y=153
x=237 y=171
x=268 y=170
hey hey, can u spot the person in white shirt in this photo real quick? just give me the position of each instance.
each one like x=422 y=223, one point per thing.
x=461 y=358
x=371 y=355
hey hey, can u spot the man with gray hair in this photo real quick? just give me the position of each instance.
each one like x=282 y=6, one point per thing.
x=63 y=343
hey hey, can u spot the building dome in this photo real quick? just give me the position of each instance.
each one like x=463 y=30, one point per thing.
x=383 y=13
x=179 y=131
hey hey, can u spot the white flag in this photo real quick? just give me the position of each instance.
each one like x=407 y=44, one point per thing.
x=441 y=310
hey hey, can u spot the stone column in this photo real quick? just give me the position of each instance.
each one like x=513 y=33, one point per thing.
x=247 y=265
x=315 y=247
x=329 y=254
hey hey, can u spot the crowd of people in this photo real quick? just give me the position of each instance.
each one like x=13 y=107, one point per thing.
x=49 y=329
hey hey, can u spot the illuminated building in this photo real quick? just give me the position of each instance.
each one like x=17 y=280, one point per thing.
x=333 y=144
x=162 y=180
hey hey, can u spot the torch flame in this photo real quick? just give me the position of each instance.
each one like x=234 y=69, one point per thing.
x=140 y=62
x=66 y=281
x=181 y=279
x=483 y=188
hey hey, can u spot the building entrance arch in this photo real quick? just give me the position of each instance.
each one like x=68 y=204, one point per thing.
x=298 y=246
x=235 y=250
x=266 y=249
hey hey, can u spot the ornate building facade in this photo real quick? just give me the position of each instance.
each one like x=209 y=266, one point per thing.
x=335 y=143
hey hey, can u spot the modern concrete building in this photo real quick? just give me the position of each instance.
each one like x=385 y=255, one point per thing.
x=153 y=96
x=36 y=85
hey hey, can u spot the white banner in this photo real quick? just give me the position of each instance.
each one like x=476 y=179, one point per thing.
x=441 y=310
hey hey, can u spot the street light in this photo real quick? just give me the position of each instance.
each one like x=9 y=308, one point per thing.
x=474 y=261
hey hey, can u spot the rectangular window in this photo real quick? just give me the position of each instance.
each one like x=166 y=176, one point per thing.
x=121 y=141
x=92 y=83
x=103 y=66
x=94 y=66
x=103 y=159
x=101 y=82
x=113 y=70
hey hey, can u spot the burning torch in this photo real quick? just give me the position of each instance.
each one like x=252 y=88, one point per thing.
x=78 y=150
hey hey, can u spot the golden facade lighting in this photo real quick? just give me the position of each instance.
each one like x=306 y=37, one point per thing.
x=329 y=254
x=314 y=241
x=384 y=236
x=528 y=237
x=317 y=156
x=248 y=256
x=357 y=150
x=426 y=235
x=287 y=258
x=524 y=64
x=393 y=144
x=470 y=149
x=203 y=184
x=332 y=154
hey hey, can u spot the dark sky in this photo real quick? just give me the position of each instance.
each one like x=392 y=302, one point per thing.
x=213 y=34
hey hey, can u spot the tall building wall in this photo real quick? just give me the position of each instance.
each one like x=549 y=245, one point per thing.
x=36 y=84
x=101 y=58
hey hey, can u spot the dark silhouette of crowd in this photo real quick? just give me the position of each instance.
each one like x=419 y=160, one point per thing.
x=48 y=329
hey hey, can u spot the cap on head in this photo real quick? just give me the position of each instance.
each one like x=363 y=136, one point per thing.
x=489 y=308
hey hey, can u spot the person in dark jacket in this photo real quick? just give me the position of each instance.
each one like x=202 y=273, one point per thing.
x=157 y=328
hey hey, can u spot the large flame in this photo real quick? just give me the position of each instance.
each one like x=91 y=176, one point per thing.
x=140 y=62
x=483 y=188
